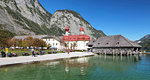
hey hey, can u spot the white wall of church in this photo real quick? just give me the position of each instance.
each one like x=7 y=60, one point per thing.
x=80 y=45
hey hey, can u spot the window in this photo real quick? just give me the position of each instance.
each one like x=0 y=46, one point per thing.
x=117 y=43
x=107 y=43
x=86 y=44
x=53 y=44
x=56 y=43
x=98 y=43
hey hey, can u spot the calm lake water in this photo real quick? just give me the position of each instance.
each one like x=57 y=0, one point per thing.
x=88 y=68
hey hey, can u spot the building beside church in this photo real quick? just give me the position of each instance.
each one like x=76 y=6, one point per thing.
x=116 y=44
x=76 y=42
x=54 y=41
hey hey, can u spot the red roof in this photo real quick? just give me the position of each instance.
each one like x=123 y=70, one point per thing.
x=67 y=28
x=76 y=38
x=81 y=29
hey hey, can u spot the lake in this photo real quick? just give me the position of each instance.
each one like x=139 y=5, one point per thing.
x=101 y=67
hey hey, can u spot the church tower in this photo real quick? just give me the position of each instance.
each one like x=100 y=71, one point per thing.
x=67 y=31
x=81 y=31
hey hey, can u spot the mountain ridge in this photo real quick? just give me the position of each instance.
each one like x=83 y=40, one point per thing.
x=145 y=42
x=28 y=17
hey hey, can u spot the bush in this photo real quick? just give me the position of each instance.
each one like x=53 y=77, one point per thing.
x=49 y=52
x=25 y=54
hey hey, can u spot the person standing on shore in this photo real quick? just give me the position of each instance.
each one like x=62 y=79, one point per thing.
x=33 y=53
x=40 y=52
x=3 y=54
x=68 y=51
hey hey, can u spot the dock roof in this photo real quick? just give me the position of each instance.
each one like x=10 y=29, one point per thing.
x=115 y=41
x=91 y=42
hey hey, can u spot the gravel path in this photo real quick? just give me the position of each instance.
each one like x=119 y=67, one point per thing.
x=29 y=59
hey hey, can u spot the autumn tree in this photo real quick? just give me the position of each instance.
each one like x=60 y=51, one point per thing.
x=66 y=45
x=27 y=42
x=74 y=45
x=4 y=37
x=14 y=42
x=20 y=43
x=71 y=46
x=49 y=45
x=38 y=43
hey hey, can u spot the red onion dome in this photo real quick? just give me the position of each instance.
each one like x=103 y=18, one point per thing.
x=67 y=28
x=81 y=29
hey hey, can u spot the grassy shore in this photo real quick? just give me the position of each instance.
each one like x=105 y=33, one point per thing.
x=20 y=51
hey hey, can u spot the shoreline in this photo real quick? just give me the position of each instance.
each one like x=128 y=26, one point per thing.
x=10 y=61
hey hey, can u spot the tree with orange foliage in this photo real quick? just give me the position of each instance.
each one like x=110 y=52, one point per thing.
x=38 y=43
x=14 y=42
x=27 y=42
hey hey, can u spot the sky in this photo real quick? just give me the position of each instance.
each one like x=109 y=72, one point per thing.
x=130 y=18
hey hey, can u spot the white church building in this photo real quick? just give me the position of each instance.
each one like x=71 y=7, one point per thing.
x=76 y=42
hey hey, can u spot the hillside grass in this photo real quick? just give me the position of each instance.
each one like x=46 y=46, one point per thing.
x=56 y=31
x=96 y=33
x=6 y=34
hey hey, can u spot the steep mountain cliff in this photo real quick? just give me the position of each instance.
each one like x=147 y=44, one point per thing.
x=24 y=17
x=72 y=19
x=28 y=17
x=145 y=42
x=143 y=39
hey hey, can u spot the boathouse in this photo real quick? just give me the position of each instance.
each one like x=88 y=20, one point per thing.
x=116 y=44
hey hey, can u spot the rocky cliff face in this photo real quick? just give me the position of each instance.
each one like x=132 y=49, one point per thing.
x=72 y=19
x=143 y=39
x=28 y=17
x=145 y=42
x=24 y=17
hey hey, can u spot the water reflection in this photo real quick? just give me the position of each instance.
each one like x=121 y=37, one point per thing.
x=114 y=63
x=79 y=63
x=102 y=67
x=53 y=64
